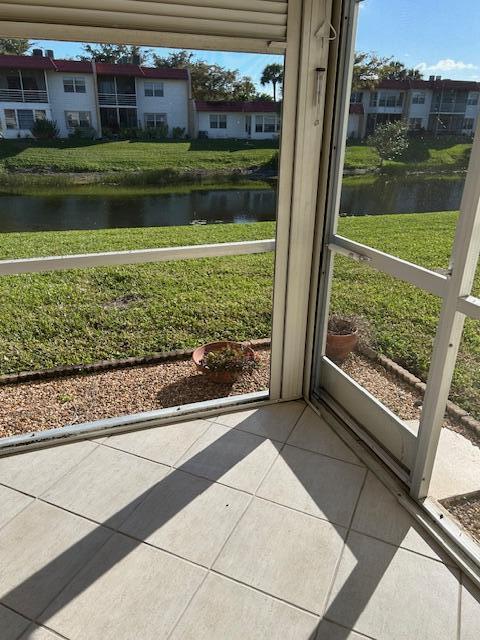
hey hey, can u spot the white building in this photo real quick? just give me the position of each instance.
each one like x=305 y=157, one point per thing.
x=111 y=97
x=256 y=120
x=85 y=94
x=435 y=105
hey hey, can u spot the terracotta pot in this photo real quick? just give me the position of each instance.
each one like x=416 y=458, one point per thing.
x=220 y=377
x=339 y=346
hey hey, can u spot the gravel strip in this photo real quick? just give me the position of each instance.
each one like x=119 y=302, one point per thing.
x=467 y=511
x=400 y=397
x=395 y=394
x=38 y=406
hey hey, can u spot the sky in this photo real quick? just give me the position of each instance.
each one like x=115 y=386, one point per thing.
x=439 y=37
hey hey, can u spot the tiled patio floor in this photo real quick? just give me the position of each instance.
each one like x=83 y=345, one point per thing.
x=254 y=525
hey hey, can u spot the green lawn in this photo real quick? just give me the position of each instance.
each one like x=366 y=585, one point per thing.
x=86 y=315
x=429 y=155
x=60 y=156
x=88 y=156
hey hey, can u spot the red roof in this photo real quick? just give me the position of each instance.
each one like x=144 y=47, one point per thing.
x=434 y=85
x=357 y=108
x=255 y=106
x=103 y=68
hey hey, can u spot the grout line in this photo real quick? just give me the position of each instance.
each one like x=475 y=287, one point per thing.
x=327 y=455
x=56 y=634
x=233 y=529
x=340 y=555
x=339 y=624
x=32 y=500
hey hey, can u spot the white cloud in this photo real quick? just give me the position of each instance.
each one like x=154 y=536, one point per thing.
x=446 y=65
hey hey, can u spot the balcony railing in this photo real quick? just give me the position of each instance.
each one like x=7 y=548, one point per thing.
x=117 y=99
x=449 y=106
x=23 y=95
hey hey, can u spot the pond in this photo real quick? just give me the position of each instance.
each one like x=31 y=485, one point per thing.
x=94 y=208
x=400 y=194
x=101 y=207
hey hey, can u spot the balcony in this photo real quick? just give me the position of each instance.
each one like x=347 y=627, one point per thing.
x=255 y=524
x=449 y=106
x=117 y=99
x=23 y=95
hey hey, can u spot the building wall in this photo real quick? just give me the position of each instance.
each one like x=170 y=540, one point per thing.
x=9 y=134
x=61 y=101
x=235 y=125
x=175 y=103
x=420 y=110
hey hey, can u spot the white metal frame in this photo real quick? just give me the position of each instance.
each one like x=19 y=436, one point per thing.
x=306 y=55
x=415 y=452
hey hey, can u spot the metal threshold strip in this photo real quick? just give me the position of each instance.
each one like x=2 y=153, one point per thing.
x=132 y=422
x=428 y=513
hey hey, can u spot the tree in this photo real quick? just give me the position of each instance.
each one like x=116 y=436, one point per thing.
x=390 y=140
x=115 y=53
x=272 y=74
x=369 y=69
x=209 y=81
x=14 y=46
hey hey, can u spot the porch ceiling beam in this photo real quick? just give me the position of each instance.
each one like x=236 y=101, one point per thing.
x=83 y=261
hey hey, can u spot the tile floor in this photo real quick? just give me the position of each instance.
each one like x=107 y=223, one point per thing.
x=253 y=525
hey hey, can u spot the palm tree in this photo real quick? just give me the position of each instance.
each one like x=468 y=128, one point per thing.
x=272 y=74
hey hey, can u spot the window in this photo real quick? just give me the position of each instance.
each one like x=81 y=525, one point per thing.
x=472 y=98
x=267 y=124
x=418 y=97
x=77 y=119
x=218 y=121
x=468 y=124
x=74 y=85
x=373 y=99
x=356 y=97
x=10 y=119
x=390 y=100
x=415 y=123
x=154 y=120
x=25 y=118
x=154 y=89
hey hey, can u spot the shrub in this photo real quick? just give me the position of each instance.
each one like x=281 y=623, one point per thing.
x=45 y=130
x=390 y=140
x=178 y=132
x=84 y=133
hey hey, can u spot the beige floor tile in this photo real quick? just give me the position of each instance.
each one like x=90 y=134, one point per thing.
x=162 y=444
x=330 y=631
x=273 y=421
x=39 y=633
x=40 y=550
x=188 y=516
x=283 y=552
x=107 y=486
x=313 y=433
x=12 y=502
x=390 y=593
x=470 y=612
x=35 y=471
x=232 y=457
x=223 y=609
x=128 y=591
x=11 y=624
x=379 y=514
x=315 y=484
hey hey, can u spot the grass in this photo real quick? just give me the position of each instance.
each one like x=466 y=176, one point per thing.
x=61 y=156
x=151 y=162
x=438 y=154
x=85 y=315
